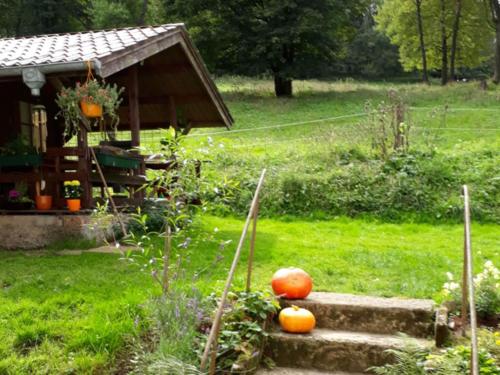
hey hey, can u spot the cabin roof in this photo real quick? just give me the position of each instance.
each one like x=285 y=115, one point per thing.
x=170 y=62
x=75 y=47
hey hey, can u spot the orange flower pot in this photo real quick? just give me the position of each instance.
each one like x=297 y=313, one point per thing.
x=91 y=110
x=43 y=202
x=74 y=205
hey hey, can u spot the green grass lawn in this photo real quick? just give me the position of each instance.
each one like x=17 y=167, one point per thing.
x=69 y=313
x=76 y=314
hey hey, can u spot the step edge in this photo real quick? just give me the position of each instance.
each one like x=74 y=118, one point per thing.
x=374 y=339
x=371 y=302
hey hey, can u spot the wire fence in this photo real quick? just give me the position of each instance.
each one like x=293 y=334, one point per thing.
x=332 y=128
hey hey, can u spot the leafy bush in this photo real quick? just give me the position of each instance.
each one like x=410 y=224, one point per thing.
x=487 y=291
x=242 y=329
x=456 y=361
x=451 y=361
x=172 y=330
x=418 y=185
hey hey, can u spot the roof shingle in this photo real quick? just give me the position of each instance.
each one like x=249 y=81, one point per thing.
x=74 y=47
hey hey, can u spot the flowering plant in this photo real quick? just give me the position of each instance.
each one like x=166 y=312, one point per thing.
x=16 y=196
x=487 y=287
x=72 y=189
x=92 y=91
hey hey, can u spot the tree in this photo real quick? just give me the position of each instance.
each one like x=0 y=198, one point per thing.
x=281 y=37
x=441 y=23
x=370 y=54
x=493 y=6
x=126 y=13
x=444 y=43
x=28 y=17
x=454 y=37
x=421 y=39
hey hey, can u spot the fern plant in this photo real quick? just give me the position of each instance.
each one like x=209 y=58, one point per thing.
x=408 y=361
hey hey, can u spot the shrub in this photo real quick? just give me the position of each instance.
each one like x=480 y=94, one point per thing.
x=451 y=361
x=487 y=291
x=242 y=329
x=415 y=185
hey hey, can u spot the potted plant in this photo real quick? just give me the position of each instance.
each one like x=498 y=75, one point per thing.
x=18 y=153
x=18 y=201
x=72 y=192
x=93 y=99
x=43 y=202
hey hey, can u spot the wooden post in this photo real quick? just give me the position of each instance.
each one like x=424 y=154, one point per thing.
x=173 y=121
x=220 y=308
x=84 y=168
x=133 y=106
x=470 y=282
x=252 y=247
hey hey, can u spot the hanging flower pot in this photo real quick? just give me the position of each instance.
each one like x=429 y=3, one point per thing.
x=74 y=205
x=93 y=99
x=90 y=109
x=43 y=202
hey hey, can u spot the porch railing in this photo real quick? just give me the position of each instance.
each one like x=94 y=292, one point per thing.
x=468 y=297
x=213 y=336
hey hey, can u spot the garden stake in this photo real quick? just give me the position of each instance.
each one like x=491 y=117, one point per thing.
x=166 y=259
x=106 y=190
x=470 y=284
x=252 y=246
x=229 y=280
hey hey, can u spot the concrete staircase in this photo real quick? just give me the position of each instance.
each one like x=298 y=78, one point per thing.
x=352 y=334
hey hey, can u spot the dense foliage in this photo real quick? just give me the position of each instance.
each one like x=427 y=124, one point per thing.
x=450 y=361
x=425 y=186
x=285 y=39
x=294 y=38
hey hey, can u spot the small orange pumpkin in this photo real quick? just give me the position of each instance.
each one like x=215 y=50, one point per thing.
x=292 y=283
x=297 y=320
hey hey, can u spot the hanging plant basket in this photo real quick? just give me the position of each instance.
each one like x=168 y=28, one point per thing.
x=93 y=99
x=90 y=110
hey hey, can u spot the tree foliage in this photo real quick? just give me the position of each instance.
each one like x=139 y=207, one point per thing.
x=278 y=37
x=125 y=13
x=397 y=19
x=28 y=17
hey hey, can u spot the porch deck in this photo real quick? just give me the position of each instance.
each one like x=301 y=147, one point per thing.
x=74 y=163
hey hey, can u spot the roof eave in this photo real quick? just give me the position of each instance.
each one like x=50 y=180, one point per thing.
x=71 y=66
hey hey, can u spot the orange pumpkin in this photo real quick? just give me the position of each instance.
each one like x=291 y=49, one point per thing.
x=296 y=320
x=292 y=283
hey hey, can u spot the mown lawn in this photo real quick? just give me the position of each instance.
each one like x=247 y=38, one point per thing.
x=76 y=314
x=64 y=314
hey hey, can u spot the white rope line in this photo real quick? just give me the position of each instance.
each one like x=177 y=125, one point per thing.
x=279 y=125
x=323 y=138
x=285 y=125
x=459 y=109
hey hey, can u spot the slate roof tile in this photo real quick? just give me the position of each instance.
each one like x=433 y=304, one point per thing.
x=74 y=47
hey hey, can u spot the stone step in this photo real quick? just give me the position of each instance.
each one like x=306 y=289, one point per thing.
x=348 y=312
x=329 y=350
x=300 y=371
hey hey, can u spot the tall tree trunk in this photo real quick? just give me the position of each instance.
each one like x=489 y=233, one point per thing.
x=496 y=75
x=144 y=10
x=444 y=46
x=282 y=86
x=495 y=12
x=425 y=76
x=454 y=37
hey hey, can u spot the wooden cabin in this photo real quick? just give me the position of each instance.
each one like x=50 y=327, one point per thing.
x=164 y=79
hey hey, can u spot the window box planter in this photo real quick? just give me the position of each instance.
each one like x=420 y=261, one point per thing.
x=118 y=161
x=30 y=160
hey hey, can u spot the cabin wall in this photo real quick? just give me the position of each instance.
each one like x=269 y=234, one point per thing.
x=15 y=112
